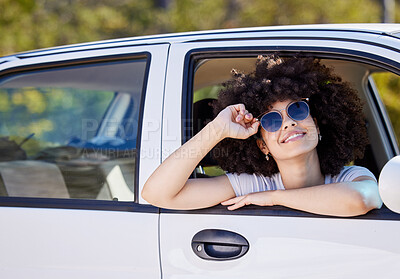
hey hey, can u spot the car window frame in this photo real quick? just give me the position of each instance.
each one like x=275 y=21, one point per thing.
x=88 y=204
x=189 y=67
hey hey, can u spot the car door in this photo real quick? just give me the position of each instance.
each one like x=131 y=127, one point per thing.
x=77 y=128
x=275 y=242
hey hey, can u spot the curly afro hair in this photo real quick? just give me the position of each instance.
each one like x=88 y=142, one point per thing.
x=333 y=103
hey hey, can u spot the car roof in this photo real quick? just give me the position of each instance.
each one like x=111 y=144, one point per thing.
x=374 y=28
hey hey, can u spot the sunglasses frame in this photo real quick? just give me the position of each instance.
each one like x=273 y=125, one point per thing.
x=305 y=100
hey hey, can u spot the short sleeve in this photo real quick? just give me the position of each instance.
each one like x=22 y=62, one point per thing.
x=245 y=183
x=241 y=183
x=349 y=173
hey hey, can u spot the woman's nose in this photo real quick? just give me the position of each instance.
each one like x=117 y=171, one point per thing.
x=288 y=122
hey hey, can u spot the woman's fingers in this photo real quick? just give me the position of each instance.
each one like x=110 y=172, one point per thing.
x=264 y=198
x=240 y=111
x=259 y=198
x=240 y=108
x=251 y=129
x=236 y=203
x=243 y=115
x=244 y=122
x=248 y=129
x=231 y=201
x=242 y=202
x=248 y=117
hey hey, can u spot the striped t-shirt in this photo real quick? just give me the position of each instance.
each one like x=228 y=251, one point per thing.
x=245 y=183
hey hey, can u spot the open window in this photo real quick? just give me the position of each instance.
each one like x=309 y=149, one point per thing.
x=210 y=72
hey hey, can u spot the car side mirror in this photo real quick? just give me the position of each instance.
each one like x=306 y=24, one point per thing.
x=389 y=184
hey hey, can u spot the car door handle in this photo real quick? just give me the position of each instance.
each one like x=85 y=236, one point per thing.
x=219 y=245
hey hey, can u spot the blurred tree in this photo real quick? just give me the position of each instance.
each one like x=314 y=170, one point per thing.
x=30 y=24
x=162 y=3
x=387 y=10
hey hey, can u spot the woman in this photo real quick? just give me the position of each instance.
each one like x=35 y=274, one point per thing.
x=309 y=126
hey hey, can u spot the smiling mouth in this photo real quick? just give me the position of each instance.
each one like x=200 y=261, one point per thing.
x=294 y=137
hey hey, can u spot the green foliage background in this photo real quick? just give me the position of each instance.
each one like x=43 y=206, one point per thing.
x=29 y=24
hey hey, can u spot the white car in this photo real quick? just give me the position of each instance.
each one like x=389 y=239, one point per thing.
x=83 y=126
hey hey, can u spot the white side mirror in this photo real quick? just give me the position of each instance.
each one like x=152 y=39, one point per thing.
x=389 y=184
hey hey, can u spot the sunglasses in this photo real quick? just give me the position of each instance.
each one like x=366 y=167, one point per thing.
x=272 y=120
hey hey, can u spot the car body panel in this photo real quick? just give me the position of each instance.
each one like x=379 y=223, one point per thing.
x=284 y=247
x=61 y=243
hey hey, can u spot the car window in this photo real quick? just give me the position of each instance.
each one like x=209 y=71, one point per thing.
x=210 y=74
x=388 y=87
x=71 y=132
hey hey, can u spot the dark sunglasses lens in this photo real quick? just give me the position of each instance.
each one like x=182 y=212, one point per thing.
x=298 y=111
x=271 y=121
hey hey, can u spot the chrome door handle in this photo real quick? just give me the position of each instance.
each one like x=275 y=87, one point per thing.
x=219 y=245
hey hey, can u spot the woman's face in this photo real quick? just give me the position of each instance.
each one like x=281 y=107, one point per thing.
x=294 y=138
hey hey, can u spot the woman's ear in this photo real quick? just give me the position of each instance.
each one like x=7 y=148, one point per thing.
x=262 y=145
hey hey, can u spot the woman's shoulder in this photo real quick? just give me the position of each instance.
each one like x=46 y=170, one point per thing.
x=349 y=173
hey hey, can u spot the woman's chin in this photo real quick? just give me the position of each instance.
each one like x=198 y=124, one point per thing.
x=295 y=151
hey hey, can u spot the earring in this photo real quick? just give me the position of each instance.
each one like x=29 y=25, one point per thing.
x=267 y=157
x=319 y=137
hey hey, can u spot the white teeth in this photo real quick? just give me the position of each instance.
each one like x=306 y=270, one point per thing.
x=292 y=136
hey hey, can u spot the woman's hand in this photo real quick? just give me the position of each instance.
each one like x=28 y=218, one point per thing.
x=258 y=198
x=236 y=122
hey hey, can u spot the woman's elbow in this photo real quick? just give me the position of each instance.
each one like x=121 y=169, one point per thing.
x=369 y=197
x=148 y=194
x=144 y=195
x=154 y=196
x=372 y=202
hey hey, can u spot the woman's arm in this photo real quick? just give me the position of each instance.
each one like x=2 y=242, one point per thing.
x=337 y=199
x=169 y=186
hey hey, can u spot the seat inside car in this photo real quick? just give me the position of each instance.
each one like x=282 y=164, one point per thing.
x=28 y=178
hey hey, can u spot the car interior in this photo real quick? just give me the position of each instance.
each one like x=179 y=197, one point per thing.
x=206 y=87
